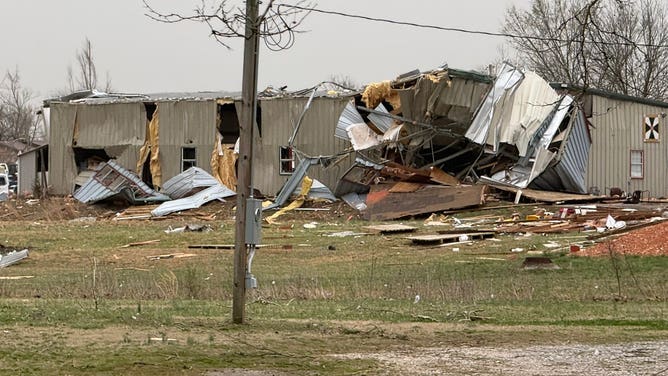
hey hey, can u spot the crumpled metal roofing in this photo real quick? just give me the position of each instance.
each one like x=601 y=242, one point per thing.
x=507 y=79
x=112 y=179
x=185 y=182
x=216 y=192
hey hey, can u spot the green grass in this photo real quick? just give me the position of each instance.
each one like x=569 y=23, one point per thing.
x=311 y=302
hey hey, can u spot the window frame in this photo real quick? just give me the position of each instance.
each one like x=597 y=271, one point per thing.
x=284 y=160
x=192 y=162
x=641 y=153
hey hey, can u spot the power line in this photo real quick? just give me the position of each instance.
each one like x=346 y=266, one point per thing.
x=468 y=31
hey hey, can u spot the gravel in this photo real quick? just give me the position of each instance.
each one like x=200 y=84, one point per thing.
x=642 y=358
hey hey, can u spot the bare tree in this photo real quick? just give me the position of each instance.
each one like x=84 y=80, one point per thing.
x=616 y=45
x=344 y=82
x=17 y=114
x=278 y=23
x=85 y=77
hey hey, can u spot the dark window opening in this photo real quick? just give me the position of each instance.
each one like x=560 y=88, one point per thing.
x=188 y=158
x=150 y=110
x=228 y=125
x=89 y=159
x=286 y=160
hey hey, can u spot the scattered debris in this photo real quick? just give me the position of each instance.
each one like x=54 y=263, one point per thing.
x=12 y=258
x=449 y=238
x=216 y=192
x=310 y=225
x=16 y=277
x=383 y=204
x=391 y=229
x=171 y=256
x=536 y=262
x=188 y=183
x=221 y=246
x=137 y=244
x=189 y=228
x=345 y=234
x=112 y=180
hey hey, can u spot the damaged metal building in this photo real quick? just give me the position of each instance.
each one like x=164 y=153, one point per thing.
x=425 y=130
x=160 y=136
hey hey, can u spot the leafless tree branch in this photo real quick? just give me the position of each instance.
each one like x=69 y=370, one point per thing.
x=616 y=45
x=17 y=114
x=277 y=24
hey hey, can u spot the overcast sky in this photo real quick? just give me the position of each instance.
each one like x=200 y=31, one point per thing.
x=41 y=38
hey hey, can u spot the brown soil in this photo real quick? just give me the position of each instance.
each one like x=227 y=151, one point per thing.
x=647 y=241
x=68 y=208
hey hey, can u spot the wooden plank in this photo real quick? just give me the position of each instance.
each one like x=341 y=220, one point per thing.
x=383 y=204
x=439 y=176
x=136 y=244
x=221 y=246
x=393 y=228
x=551 y=197
x=405 y=186
x=449 y=238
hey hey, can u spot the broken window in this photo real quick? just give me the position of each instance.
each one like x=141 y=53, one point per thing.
x=286 y=160
x=651 y=128
x=637 y=162
x=188 y=158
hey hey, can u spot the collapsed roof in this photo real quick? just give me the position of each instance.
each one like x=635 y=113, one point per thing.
x=514 y=130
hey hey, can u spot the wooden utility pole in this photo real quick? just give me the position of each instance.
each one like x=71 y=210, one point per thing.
x=246 y=127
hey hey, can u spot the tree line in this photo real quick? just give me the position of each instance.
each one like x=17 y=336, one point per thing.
x=18 y=110
x=615 y=45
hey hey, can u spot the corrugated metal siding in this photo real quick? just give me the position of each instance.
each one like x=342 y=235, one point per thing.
x=315 y=137
x=62 y=170
x=618 y=129
x=183 y=183
x=186 y=124
x=27 y=171
x=118 y=128
x=569 y=174
x=111 y=124
x=573 y=163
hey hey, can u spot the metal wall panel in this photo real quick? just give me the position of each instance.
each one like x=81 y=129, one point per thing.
x=62 y=170
x=186 y=124
x=315 y=138
x=618 y=129
x=27 y=174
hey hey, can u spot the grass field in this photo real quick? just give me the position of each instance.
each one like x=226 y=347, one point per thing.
x=89 y=305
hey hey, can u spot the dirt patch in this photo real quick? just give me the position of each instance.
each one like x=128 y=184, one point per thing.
x=647 y=241
x=642 y=358
x=68 y=208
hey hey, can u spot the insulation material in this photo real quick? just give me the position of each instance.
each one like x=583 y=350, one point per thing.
x=151 y=149
x=223 y=160
x=378 y=92
x=362 y=137
x=307 y=183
